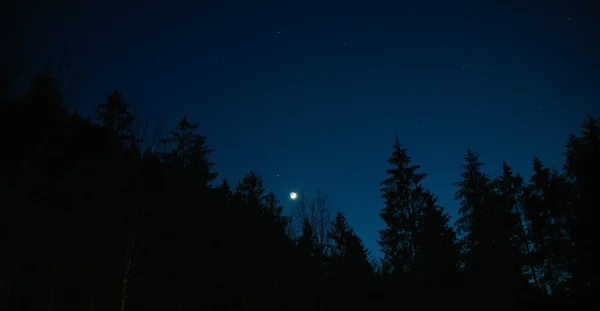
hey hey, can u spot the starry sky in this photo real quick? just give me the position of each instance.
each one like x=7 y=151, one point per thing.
x=310 y=94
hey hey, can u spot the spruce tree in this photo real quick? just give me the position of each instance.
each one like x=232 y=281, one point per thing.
x=348 y=249
x=273 y=208
x=251 y=191
x=544 y=198
x=350 y=273
x=477 y=227
x=116 y=116
x=400 y=191
x=438 y=252
x=339 y=233
x=583 y=170
x=307 y=241
x=473 y=191
x=224 y=192
x=510 y=187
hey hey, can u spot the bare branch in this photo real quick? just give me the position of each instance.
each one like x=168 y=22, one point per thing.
x=318 y=213
x=157 y=134
x=322 y=218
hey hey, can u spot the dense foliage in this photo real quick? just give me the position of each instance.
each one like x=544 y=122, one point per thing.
x=98 y=215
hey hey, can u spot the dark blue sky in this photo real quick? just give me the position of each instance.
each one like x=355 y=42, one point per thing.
x=311 y=94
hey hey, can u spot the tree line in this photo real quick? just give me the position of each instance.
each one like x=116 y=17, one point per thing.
x=105 y=215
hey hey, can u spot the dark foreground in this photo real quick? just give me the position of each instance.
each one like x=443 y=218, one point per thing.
x=111 y=214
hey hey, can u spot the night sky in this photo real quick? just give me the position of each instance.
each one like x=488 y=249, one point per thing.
x=310 y=94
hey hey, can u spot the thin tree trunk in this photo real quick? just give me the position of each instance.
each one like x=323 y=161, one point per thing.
x=125 y=279
x=128 y=259
x=413 y=234
x=527 y=250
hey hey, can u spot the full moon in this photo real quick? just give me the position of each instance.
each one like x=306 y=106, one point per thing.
x=293 y=195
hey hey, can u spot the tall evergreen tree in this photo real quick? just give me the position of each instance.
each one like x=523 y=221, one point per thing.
x=115 y=115
x=307 y=241
x=88 y=223
x=438 y=258
x=510 y=189
x=339 y=233
x=350 y=272
x=251 y=191
x=583 y=168
x=543 y=200
x=272 y=207
x=400 y=192
x=348 y=248
x=191 y=154
x=472 y=192
x=486 y=227
x=224 y=191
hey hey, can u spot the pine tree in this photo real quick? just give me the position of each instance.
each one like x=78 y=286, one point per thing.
x=307 y=241
x=350 y=271
x=510 y=188
x=435 y=270
x=400 y=192
x=543 y=199
x=199 y=164
x=272 y=207
x=184 y=137
x=473 y=191
x=339 y=232
x=251 y=191
x=485 y=244
x=310 y=266
x=190 y=155
x=224 y=191
x=115 y=115
x=438 y=254
x=359 y=255
x=347 y=247
x=582 y=169
x=505 y=240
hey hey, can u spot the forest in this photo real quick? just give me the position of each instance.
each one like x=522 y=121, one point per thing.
x=97 y=214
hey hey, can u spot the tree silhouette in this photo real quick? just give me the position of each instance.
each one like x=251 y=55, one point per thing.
x=349 y=271
x=401 y=192
x=115 y=115
x=438 y=254
x=582 y=169
x=88 y=222
x=478 y=225
x=251 y=191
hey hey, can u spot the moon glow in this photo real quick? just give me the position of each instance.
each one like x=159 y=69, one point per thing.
x=293 y=195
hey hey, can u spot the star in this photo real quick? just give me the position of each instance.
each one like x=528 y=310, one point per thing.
x=529 y=21
x=278 y=32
